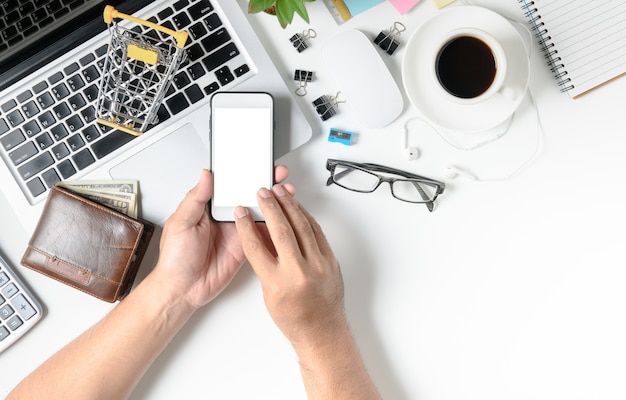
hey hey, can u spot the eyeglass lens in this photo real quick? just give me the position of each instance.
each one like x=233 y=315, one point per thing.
x=355 y=179
x=413 y=191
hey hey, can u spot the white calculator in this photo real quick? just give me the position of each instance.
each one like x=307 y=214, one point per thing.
x=19 y=310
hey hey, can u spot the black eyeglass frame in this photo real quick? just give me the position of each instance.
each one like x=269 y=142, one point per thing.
x=371 y=168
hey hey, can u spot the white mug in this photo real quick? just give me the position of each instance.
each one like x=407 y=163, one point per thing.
x=470 y=66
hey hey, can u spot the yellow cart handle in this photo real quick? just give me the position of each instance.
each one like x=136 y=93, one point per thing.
x=110 y=12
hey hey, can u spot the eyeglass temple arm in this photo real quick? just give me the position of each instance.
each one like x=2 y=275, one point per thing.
x=429 y=204
x=382 y=168
x=342 y=173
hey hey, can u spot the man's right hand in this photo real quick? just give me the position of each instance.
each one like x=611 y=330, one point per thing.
x=301 y=280
x=303 y=292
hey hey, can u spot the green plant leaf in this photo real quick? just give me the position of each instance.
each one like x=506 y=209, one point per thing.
x=300 y=8
x=285 y=9
x=255 y=6
x=284 y=12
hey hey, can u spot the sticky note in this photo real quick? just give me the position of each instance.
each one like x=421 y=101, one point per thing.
x=357 y=6
x=442 y=3
x=403 y=6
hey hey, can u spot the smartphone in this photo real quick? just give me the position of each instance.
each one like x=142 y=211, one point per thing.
x=242 y=157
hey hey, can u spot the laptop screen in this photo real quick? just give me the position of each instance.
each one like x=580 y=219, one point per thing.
x=35 y=32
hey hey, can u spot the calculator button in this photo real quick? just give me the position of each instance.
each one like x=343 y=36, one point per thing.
x=9 y=290
x=4 y=333
x=19 y=311
x=23 y=307
x=3 y=279
x=6 y=311
x=15 y=322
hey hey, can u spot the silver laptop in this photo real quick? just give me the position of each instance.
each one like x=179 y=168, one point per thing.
x=51 y=60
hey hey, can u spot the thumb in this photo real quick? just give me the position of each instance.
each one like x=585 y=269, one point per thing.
x=193 y=206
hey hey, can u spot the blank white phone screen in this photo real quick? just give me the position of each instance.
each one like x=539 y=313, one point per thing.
x=242 y=160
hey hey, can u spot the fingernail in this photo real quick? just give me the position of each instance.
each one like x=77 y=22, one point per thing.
x=264 y=193
x=241 y=212
x=279 y=190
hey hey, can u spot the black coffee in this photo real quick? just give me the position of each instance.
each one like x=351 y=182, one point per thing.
x=466 y=67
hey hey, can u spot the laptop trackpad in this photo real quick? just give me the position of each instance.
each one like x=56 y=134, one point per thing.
x=166 y=171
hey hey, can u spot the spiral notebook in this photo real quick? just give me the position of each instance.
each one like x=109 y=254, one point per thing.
x=584 y=40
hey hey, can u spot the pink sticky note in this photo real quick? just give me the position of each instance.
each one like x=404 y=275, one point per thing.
x=403 y=5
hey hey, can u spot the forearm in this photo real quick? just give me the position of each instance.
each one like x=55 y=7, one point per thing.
x=332 y=368
x=108 y=360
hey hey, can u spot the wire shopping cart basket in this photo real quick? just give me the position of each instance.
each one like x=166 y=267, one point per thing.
x=140 y=65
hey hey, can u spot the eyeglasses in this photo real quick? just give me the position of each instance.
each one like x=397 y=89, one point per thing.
x=362 y=177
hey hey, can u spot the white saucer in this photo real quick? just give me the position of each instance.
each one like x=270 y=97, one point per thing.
x=436 y=107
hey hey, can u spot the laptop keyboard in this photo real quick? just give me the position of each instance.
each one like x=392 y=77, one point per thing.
x=48 y=132
x=20 y=19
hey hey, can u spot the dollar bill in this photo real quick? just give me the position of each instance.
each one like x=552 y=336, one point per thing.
x=115 y=186
x=119 y=195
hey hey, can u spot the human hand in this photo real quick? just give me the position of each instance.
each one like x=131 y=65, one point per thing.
x=199 y=256
x=302 y=284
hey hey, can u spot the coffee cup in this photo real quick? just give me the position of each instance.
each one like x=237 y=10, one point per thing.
x=470 y=66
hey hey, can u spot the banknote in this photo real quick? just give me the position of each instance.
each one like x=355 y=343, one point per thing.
x=115 y=186
x=120 y=195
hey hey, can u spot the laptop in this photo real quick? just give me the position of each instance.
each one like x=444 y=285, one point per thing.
x=51 y=61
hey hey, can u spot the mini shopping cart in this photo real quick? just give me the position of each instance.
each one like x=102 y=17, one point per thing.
x=140 y=65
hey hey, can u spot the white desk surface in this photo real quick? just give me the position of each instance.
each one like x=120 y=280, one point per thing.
x=509 y=290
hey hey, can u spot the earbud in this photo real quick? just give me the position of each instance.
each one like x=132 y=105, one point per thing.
x=410 y=152
x=452 y=172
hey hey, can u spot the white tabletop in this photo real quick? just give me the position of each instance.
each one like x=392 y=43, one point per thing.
x=510 y=289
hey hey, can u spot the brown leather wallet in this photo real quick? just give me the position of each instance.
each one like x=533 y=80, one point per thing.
x=87 y=246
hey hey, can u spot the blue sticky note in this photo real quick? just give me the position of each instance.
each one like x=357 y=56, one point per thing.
x=357 y=6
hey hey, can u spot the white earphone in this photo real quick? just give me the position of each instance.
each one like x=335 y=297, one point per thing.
x=410 y=152
x=452 y=172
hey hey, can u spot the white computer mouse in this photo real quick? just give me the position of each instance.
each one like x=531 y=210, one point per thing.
x=360 y=74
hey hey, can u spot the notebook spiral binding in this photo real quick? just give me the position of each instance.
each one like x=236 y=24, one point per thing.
x=545 y=41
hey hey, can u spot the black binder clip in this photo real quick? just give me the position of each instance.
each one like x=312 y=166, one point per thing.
x=302 y=77
x=388 y=40
x=326 y=106
x=299 y=41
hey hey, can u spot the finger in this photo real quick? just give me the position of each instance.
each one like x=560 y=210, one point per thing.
x=320 y=237
x=260 y=258
x=290 y=188
x=193 y=207
x=299 y=222
x=278 y=227
x=280 y=173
